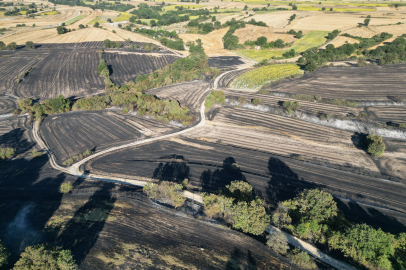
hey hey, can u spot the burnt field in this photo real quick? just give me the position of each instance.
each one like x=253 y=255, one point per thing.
x=379 y=83
x=7 y=105
x=127 y=66
x=16 y=132
x=225 y=62
x=189 y=94
x=73 y=133
x=109 y=226
x=275 y=178
x=72 y=73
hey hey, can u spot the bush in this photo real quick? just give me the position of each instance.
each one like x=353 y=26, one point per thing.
x=291 y=105
x=7 y=152
x=256 y=101
x=45 y=257
x=165 y=191
x=30 y=45
x=4 y=254
x=37 y=154
x=81 y=26
x=96 y=24
x=102 y=66
x=12 y=46
x=375 y=145
x=61 y=30
x=302 y=259
x=214 y=97
x=78 y=157
x=277 y=241
x=66 y=187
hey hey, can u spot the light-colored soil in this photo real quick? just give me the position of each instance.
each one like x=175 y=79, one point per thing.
x=229 y=17
x=252 y=32
x=341 y=40
x=361 y=32
x=396 y=30
x=274 y=19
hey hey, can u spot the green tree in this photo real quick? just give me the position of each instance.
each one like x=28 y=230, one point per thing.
x=66 y=187
x=366 y=22
x=45 y=257
x=366 y=245
x=105 y=72
x=261 y=41
x=118 y=44
x=164 y=191
x=375 y=145
x=4 y=254
x=2 y=45
x=302 y=259
x=277 y=241
x=12 y=46
x=61 y=30
x=25 y=104
x=213 y=19
x=81 y=26
x=30 y=45
x=250 y=217
x=240 y=190
x=109 y=20
x=102 y=66
x=311 y=65
x=96 y=24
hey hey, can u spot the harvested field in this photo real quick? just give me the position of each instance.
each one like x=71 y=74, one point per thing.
x=226 y=79
x=73 y=133
x=126 y=67
x=361 y=84
x=274 y=19
x=387 y=114
x=306 y=106
x=229 y=17
x=206 y=165
x=341 y=41
x=189 y=94
x=16 y=132
x=109 y=226
x=396 y=30
x=224 y=62
x=252 y=32
x=7 y=105
x=11 y=68
x=60 y=74
x=361 y=32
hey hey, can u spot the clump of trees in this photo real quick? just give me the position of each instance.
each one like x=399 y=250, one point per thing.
x=290 y=106
x=169 y=39
x=111 y=44
x=47 y=107
x=77 y=157
x=165 y=191
x=298 y=34
x=61 y=30
x=11 y=46
x=313 y=215
x=29 y=45
x=7 y=152
x=263 y=42
x=238 y=207
x=231 y=41
x=45 y=257
x=375 y=145
x=214 y=97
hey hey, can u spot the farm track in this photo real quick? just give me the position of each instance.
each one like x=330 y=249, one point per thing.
x=190 y=94
x=96 y=130
x=360 y=84
x=307 y=106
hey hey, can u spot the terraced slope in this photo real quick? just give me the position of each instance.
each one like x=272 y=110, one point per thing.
x=73 y=133
x=188 y=94
x=363 y=84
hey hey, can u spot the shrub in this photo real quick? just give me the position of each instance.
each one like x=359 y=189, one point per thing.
x=24 y=104
x=66 y=187
x=214 y=97
x=81 y=26
x=30 y=45
x=45 y=257
x=302 y=259
x=12 y=46
x=102 y=66
x=96 y=24
x=37 y=154
x=165 y=191
x=61 y=30
x=4 y=254
x=78 y=157
x=277 y=241
x=376 y=147
x=291 y=105
x=256 y=101
x=7 y=152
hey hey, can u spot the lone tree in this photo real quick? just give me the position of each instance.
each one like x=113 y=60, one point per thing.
x=45 y=257
x=366 y=21
x=96 y=24
x=376 y=147
x=30 y=45
x=61 y=30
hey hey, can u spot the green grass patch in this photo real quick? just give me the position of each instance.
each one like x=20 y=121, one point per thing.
x=73 y=20
x=214 y=97
x=256 y=78
x=124 y=16
x=310 y=40
x=94 y=20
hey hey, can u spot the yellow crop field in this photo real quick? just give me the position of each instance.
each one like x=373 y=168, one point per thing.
x=256 y=78
x=310 y=40
x=124 y=16
x=49 y=13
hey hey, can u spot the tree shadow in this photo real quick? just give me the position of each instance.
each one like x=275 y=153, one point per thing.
x=359 y=141
x=284 y=183
x=82 y=230
x=238 y=261
x=218 y=179
x=15 y=139
x=172 y=171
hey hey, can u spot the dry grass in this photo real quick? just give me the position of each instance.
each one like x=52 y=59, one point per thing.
x=361 y=32
x=252 y=32
x=341 y=41
x=274 y=19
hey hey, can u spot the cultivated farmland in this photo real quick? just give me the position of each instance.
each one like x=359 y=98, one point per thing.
x=362 y=84
x=252 y=32
x=11 y=68
x=274 y=19
x=71 y=134
x=16 y=132
x=7 y=105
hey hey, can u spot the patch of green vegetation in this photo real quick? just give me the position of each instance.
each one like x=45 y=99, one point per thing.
x=66 y=187
x=375 y=145
x=7 y=152
x=165 y=191
x=73 y=20
x=78 y=157
x=214 y=97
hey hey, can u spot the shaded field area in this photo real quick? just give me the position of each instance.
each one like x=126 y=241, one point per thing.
x=7 y=105
x=127 y=66
x=189 y=94
x=16 y=132
x=73 y=133
x=208 y=167
x=225 y=62
x=386 y=114
x=109 y=226
x=361 y=84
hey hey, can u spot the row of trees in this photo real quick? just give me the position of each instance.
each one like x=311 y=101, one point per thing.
x=314 y=215
x=163 y=36
x=11 y=46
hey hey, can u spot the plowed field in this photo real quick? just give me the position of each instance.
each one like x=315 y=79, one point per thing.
x=7 y=105
x=73 y=133
x=190 y=94
x=11 y=68
x=370 y=83
x=15 y=132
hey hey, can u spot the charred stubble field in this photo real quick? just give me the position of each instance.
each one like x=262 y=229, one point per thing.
x=108 y=226
x=360 y=84
x=73 y=133
x=16 y=132
x=7 y=105
x=225 y=62
x=274 y=178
